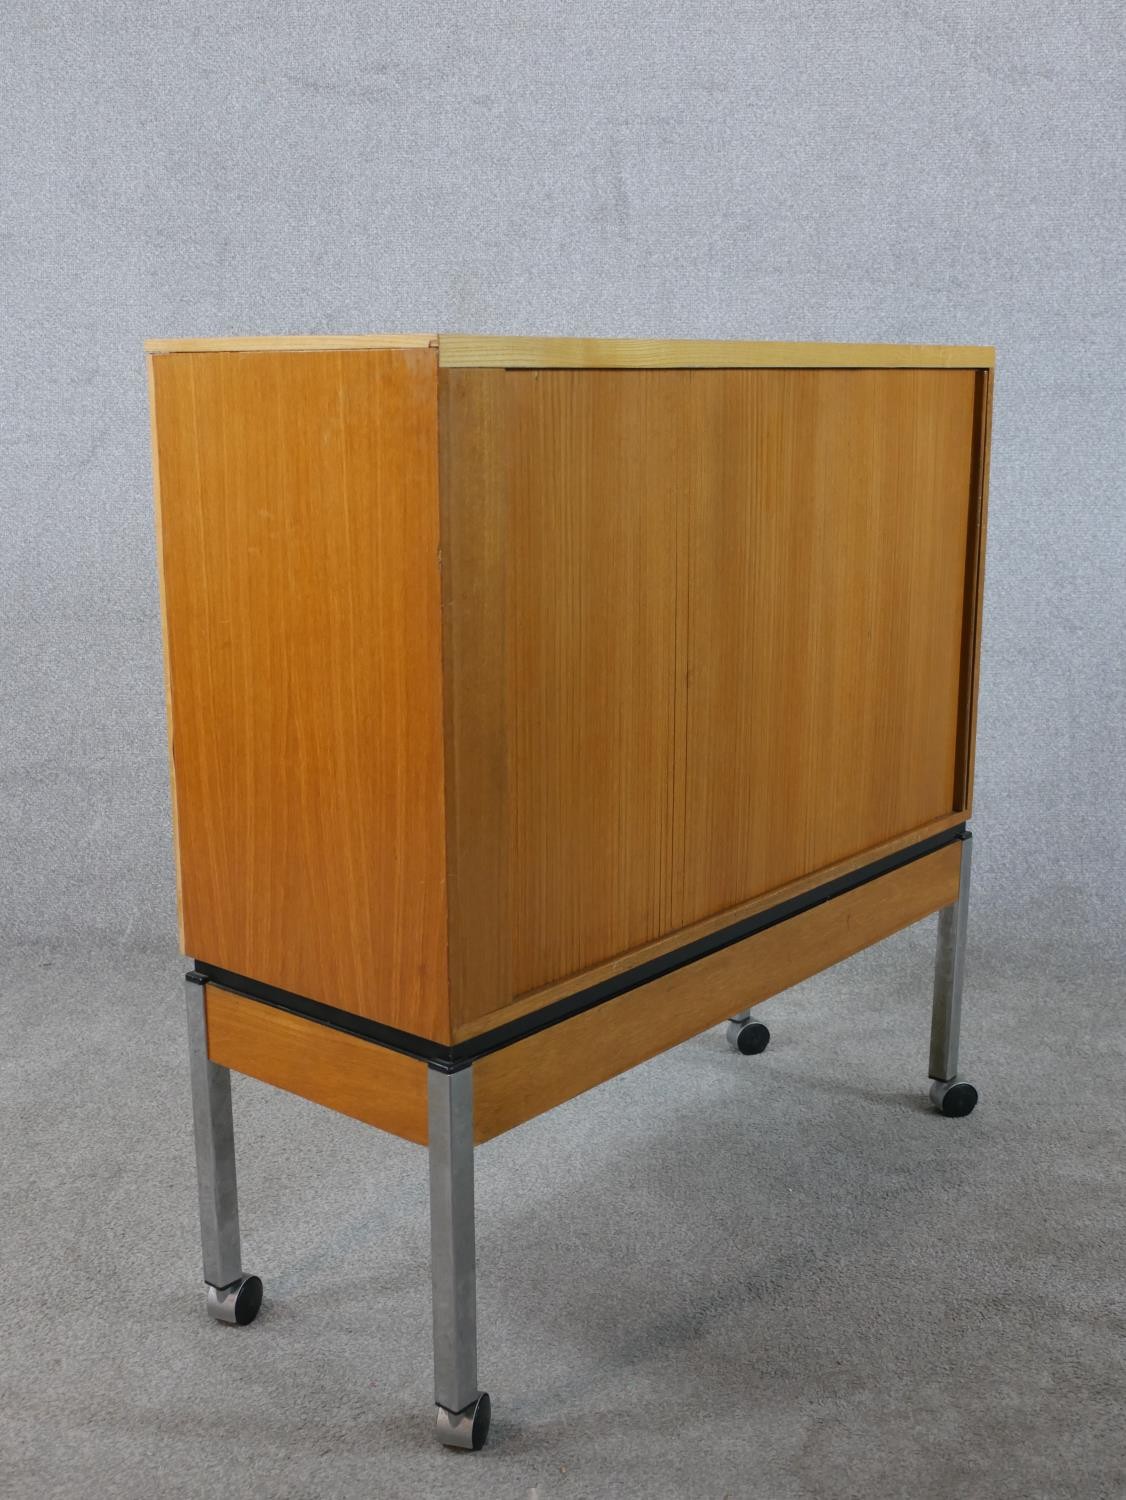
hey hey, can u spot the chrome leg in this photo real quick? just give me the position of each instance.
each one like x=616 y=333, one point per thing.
x=953 y=1096
x=232 y=1297
x=463 y=1410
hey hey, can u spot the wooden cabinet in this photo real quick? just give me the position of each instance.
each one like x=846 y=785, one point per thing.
x=537 y=703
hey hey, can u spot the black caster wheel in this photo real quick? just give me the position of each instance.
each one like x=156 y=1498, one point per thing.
x=955 y=1098
x=748 y=1037
x=237 y=1303
x=467 y=1428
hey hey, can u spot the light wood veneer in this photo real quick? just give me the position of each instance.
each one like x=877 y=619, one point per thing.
x=498 y=666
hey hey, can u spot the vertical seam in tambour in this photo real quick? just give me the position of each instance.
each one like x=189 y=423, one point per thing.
x=446 y=691
x=514 y=835
x=207 y=823
x=285 y=487
x=685 y=668
x=347 y=849
x=680 y=684
x=665 y=901
x=252 y=904
x=579 y=685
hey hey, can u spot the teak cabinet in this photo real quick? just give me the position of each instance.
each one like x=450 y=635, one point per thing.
x=536 y=704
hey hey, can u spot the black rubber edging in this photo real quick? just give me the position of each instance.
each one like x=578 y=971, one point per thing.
x=450 y=1059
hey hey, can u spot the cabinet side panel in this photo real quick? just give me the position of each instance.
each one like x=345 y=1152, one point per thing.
x=299 y=554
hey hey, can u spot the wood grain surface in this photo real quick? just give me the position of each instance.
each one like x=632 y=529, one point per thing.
x=499 y=351
x=291 y=343
x=475 y=603
x=534 y=1000
x=736 y=607
x=487 y=682
x=483 y=350
x=299 y=539
x=975 y=592
x=598 y=470
x=342 y=1072
x=825 y=608
x=536 y=1074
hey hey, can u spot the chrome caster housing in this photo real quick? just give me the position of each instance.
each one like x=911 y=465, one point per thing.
x=237 y=1303
x=467 y=1428
x=747 y=1037
x=954 y=1097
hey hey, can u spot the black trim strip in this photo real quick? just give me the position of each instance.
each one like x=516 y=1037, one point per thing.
x=450 y=1059
x=326 y=1015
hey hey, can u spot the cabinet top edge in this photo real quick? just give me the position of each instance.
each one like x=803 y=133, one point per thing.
x=461 y=350
x=487 y=351
x=291 y=343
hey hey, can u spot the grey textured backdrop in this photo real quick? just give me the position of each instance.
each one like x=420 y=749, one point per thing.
x=946 y=173
x=779 y=1278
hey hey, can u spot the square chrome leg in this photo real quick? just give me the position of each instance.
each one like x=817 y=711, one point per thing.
x=232 y=1297
x=950 y=1094
x=463 y=1410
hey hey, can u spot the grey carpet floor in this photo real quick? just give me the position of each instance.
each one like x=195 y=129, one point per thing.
x=778 y=1277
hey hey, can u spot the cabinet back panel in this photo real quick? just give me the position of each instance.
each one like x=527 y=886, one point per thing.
x=298 y=518
x=735 y=618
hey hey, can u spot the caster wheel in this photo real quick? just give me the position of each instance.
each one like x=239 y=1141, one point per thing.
x=237 y=1303
x=747 y=1037
x=954 y=1098
x=467 y=1428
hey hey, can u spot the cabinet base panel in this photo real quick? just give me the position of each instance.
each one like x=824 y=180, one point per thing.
x=522 y=1076
x=334 y=1068
x=517 y=1082
x=586 y=991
